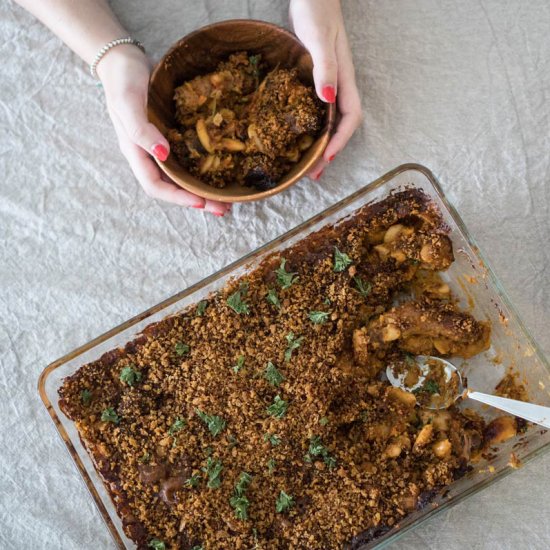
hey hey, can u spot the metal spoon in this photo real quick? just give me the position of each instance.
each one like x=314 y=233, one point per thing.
x=533 y=413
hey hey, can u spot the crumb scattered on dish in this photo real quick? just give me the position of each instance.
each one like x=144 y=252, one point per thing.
x=514 y=461
x=512 y=388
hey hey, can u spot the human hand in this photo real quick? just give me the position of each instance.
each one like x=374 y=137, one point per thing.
x=320 y=26
x=124 y=73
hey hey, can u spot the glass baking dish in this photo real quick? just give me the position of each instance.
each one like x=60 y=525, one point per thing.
x=469 y=277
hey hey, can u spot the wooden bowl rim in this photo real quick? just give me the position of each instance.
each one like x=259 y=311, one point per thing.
x=321 y=141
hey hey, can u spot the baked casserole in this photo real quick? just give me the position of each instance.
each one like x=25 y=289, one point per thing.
x=261 y=417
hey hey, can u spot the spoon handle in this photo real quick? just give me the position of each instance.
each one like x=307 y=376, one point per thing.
x=534 y=413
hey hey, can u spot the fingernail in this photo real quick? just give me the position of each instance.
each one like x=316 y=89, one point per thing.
x=198 y=206
x=331 y=158
x=329 y=93
x=318 y=175
x=218 y=214
x=160 y=152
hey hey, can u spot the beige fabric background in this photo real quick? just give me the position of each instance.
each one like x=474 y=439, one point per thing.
x=460 y=86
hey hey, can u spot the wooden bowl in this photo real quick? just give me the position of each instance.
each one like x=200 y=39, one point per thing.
x=199 y=53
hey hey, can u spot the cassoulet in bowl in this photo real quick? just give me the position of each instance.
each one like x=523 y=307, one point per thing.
x=237 y=103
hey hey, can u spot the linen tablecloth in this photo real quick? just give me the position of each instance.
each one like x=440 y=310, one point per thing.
x=462 y=87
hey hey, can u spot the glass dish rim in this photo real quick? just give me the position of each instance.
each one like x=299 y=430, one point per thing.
x=246 y=259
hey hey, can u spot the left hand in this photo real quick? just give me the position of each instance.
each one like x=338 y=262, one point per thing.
x=320 y=26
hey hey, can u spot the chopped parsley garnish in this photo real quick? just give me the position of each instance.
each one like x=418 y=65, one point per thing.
x=177 y=426
x=239 y=501
x=318 y=317
x=341 y=260
x=284 y=502
x=109 y=415
x=213 y=470
x=363 y=287
x=323 y=421
x=215 y=424
x=240 y=363
x=181 y=349
x=278 y=407
x=430 y=386
x=86 y=397
x=232 y=440
x=364 y=416
x=254 y=61
x=293 y=343
x=240 y=504
x=272 y=375
x=193 y=481
x=157 y=544
x=316 y=448
x=130 y=375
x=273 y=439
x=255 y=64
x=273 y=299
x=271 y=464
x=201 y=307
x=243 y=483
x=235 y=302
x=285 y=279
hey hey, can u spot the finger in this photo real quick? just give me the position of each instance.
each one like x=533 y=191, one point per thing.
x=155 y=182
x=217 y=208
x=317 y=171
x=131 y=112
x=149 y=176
x=346 y=128
x=349 y=102
x=325 y=65
x=214 y=207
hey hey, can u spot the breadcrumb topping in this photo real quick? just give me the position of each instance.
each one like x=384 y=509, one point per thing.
x=261 y=418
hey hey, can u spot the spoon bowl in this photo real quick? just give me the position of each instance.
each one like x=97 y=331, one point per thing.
x=453 y=382
x=450 y=379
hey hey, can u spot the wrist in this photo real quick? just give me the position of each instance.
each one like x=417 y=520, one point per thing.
x=118 y=59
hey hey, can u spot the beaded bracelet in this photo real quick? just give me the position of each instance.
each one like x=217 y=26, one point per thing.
x=110 y=45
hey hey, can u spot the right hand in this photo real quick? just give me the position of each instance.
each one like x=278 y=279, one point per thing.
x=124 y=73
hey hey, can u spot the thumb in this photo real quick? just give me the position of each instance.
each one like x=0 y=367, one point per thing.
x=325 y=68
x=132 y=115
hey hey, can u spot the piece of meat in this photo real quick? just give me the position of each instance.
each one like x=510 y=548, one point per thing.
x=431 y=250
x=283 y=109
x=422 y=329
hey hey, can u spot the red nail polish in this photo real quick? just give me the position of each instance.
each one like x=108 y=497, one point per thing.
x=160 y=152
x=318 y=175
x=198 y=206
x=218 y=214
x=331 y=158
x=329 y=93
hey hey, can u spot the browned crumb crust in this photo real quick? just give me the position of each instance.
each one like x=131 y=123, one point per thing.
x=241 y=125
x=354 y=453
